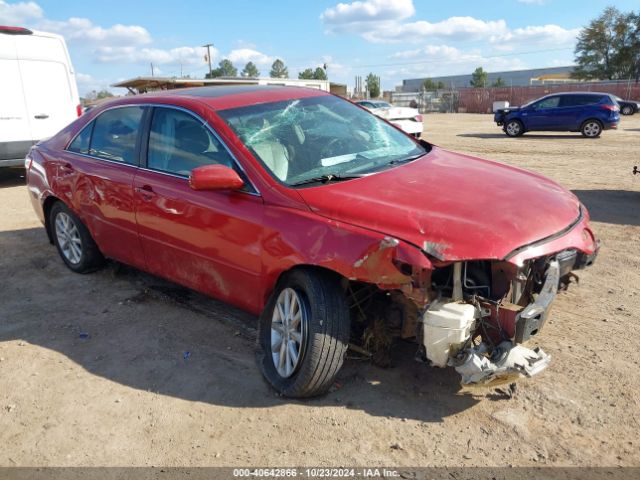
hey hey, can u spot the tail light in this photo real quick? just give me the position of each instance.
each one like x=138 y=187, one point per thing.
x=613 y=108
x=418 y=118
x=15 y=30
x=79 y=110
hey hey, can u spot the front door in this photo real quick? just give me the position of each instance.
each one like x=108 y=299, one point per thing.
x=543 y=115
x=206 y=240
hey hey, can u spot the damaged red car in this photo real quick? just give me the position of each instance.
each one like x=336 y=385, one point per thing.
x=326 y=221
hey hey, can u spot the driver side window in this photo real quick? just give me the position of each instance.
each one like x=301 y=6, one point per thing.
x=178 y=143
x=551 y=102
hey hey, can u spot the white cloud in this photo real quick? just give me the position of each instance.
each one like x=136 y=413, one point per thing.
x=83 y=31
x=453 y=28
x=437 y=60
x=88 y=83
x=157 y=56
x=378 y=21
x=240 y=57
x=553 y=35
x=368 y=11
x=17 y=14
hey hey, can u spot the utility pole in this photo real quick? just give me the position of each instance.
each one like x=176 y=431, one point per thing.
x=208 y=47
x=152 y=69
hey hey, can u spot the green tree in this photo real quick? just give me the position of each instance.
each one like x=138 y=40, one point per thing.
x=320 y=74
x=479 y=78
x=609 y=47
x=225 y=69
x=279 y=70
x=430 y=85
x=498 y=82
x=373 y=85
x=250 y=70
x=306 y=74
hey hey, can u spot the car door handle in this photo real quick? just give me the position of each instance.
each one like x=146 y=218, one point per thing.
x=42 y=116
x=146 y=192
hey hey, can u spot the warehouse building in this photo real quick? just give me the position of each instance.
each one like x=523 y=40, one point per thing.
x=515 y=78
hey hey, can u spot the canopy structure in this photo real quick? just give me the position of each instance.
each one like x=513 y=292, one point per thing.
x=148 y=84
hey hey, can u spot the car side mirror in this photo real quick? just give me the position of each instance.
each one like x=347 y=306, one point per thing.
x=215 y=177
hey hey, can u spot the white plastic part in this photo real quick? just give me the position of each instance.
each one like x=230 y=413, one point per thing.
x=446 y=326
x=516 y=361
x=500 y=105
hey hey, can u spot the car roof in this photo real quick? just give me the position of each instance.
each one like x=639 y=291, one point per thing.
x=231 y=96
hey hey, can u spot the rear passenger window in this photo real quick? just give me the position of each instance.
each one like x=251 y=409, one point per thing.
x=115 y=133
x=579 y=100
x=178 y=143
x=81 y=143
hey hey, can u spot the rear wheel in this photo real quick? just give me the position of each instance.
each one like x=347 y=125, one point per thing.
x=513 y=128
x=73 y=241
x=304 y=333
x=627 y=110
x=591 y=128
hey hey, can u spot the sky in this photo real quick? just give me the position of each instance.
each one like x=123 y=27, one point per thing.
x=114 y=40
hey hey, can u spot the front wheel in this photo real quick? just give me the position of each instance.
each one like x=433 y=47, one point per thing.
x=591 y=129
x=304 y=333
x=627 y=110
x=513 y=128
x=73 y=241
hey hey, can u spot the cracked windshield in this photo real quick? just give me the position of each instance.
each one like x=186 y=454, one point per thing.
x=319 y=139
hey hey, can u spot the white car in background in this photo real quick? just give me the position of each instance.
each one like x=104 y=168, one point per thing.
x=407 y=119
x=38 y=91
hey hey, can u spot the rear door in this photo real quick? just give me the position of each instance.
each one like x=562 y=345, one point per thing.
x=15 y=135
x=48 y=94
x=207 y=240
x=48 y=83
x=574 y=108
x=96 y=175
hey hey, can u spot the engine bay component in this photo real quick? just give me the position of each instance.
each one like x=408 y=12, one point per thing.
x=446 y=326
x=506 y=363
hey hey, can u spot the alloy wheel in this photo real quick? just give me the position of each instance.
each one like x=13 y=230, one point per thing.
x=288 y=332
x=592 y=129
x=513 y=128
x=68 y=238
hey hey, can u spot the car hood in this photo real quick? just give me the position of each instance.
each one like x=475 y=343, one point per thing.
x=453 y=206
x=395 y=113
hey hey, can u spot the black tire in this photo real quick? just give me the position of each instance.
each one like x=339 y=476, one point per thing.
x=90 y=257
x=591 y=128
x=627 y=110
x=514 y=128
x=327 y=334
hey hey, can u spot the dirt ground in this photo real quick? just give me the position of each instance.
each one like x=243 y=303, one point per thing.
x=126 y=394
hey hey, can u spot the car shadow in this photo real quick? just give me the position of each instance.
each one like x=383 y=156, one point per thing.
x=612 y=206
x=534 y=136
x=151 y=335
x=11 y=177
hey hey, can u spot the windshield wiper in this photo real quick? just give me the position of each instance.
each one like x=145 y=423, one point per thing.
x=406 y=159
x=328 y=177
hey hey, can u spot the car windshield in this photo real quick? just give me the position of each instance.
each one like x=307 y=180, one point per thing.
x=324 y=138
x=381 y=105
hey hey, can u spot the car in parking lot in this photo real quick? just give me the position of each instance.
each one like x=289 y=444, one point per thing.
x=328 y=223
x=408 y=119
x=586 y=112
x=627 y=107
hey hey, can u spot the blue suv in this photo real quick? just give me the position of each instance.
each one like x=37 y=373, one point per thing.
x=586 y=112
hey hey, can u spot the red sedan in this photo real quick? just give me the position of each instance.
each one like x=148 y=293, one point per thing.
x=329 y=223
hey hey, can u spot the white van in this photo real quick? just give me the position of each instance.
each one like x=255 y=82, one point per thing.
x=38 y=91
